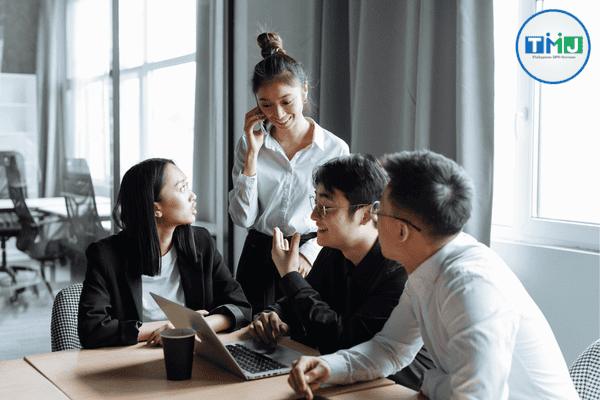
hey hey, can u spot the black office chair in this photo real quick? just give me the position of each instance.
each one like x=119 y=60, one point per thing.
x=42 y=235
x=15 y=278
x=86 y=226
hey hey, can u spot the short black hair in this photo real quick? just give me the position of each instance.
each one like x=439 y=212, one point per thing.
x=431 y=186
x=359 y=177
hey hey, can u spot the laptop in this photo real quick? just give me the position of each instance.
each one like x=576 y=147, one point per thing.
x=247 y=359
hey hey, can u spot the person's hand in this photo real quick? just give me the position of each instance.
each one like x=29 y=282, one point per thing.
x=267 y=328
x=285 y=256
x=307 y=374
x=254 y=135
x=154 y=339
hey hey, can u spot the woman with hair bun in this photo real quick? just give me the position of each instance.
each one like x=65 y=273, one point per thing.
x=272 y=170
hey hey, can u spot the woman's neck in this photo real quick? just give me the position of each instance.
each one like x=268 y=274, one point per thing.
x=165 y=238
x=295 y=139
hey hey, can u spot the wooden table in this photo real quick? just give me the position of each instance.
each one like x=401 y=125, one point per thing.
x=19 y=380
x=391 y=392
x=138 y=372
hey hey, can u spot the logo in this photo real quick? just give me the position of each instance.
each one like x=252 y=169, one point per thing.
x=553 y=46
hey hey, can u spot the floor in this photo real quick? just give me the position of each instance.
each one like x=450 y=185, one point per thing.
x=25 y=323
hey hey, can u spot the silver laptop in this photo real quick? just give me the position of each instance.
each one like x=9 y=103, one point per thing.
x=247 y=359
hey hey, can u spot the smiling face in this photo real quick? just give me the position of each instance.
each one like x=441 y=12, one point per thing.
x=177 y=205
x=336 y=229
x=282 y=104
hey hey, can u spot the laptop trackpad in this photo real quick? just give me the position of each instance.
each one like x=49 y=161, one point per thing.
x=280 y=353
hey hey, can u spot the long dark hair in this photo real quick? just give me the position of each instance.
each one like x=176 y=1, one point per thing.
x=134 y=214
x=276 y=65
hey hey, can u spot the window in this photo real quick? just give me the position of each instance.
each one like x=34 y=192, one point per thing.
x=157 y=46
x=87 y=109
x=546 y=188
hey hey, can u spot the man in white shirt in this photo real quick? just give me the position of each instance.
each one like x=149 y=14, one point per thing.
x=486 y=336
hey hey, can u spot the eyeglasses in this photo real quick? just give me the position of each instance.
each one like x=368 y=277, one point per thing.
x=375 y=214
x=322 y=210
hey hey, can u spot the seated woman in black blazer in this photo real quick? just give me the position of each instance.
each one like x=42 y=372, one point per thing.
x=156 y=251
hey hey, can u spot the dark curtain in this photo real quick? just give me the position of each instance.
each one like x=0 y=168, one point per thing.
x=408 y=75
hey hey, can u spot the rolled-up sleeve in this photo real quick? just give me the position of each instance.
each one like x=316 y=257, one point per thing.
x=243 y=198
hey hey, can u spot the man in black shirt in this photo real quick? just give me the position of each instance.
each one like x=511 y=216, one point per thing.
x=352 y=289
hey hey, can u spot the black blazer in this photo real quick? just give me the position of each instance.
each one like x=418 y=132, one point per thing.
x=110 y=307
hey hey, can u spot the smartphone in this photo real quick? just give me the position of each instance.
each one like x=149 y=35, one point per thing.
x=263 y=124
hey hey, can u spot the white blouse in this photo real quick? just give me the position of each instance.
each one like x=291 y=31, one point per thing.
x=278 y=195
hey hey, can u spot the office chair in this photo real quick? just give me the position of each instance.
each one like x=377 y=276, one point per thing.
x=42 y=236
x=63 y=326
x=16 y=278
x=585 y=373
x=86 y=227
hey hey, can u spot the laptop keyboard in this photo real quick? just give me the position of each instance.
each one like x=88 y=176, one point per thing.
x=252 y=361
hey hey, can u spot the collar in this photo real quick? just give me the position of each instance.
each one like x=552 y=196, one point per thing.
x=318 y=137
x=429 y=270
x=318 y=134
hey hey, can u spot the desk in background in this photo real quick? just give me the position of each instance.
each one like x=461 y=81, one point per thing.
x=57 y=206
x=138 y=372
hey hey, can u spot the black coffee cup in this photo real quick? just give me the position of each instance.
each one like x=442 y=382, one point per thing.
x=178 y=348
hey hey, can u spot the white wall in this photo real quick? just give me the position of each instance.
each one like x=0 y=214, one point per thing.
x=565 y=284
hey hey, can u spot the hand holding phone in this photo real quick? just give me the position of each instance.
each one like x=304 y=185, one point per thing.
x=255 y=135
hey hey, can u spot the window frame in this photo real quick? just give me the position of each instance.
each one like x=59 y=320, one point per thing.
x=527 y=227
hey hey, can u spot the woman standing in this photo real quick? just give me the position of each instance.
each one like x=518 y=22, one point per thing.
x=272 y=171
x=157 y=251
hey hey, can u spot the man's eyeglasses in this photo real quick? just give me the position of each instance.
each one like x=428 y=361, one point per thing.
x=375 y=214
x=322 y=210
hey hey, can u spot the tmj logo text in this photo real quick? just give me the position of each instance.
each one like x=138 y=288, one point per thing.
x=566 y=45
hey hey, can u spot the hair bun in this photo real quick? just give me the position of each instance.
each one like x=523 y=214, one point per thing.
x=270 y=44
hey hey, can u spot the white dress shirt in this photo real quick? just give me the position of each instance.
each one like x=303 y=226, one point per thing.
x=278 y=195
x=485 y=334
